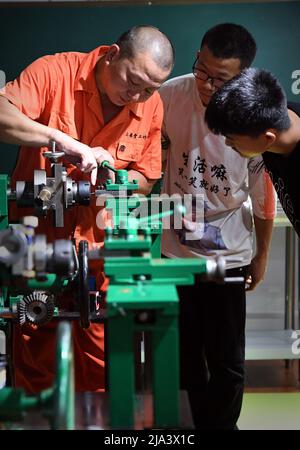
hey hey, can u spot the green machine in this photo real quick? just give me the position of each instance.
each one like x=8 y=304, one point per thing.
x=142 y=296
x=31 y=273
x=141 y=300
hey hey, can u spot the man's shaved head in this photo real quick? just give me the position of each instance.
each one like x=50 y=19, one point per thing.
x=147 y=39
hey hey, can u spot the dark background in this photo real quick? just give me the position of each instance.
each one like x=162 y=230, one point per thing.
x=28 y=32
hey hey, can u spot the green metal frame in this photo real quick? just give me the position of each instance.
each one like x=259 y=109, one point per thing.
x=57 y=403
x=143 y=285
x=123 y=303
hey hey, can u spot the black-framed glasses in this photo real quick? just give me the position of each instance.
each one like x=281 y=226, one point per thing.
x=203 y=76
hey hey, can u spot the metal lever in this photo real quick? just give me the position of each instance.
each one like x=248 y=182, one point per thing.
x=53 y=155
x=106 y=165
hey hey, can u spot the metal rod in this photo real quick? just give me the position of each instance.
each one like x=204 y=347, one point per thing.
x=290 y=279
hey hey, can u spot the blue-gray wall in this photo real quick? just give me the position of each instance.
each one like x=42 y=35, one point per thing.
x=29 y=32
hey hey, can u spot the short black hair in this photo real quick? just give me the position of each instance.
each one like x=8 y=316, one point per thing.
x=147 y=38
x=229 y=40
x=249 y=104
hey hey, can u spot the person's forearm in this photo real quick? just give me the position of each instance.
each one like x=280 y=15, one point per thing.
x=257 y=269
x=263 y=231
x=145 y=185
x=16 y=128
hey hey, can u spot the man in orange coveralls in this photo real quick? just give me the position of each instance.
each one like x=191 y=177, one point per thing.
x=96 y=106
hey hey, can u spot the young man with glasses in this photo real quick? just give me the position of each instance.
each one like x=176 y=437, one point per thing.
x=212 y=317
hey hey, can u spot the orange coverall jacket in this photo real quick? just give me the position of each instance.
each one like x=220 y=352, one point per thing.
x=60 y=91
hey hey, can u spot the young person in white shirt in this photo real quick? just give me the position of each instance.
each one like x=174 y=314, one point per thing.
x=212 y=316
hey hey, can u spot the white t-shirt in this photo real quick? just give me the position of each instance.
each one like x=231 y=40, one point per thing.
x=198 y=162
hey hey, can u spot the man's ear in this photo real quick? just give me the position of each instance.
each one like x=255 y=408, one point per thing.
x=270 y=138
x=112 y=53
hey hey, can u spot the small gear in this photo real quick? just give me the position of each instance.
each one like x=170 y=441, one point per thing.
x=36 y=308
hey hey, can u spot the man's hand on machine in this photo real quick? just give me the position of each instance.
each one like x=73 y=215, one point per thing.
x=87 y=159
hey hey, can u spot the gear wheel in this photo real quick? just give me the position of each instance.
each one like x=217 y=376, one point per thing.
x=36 y=308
